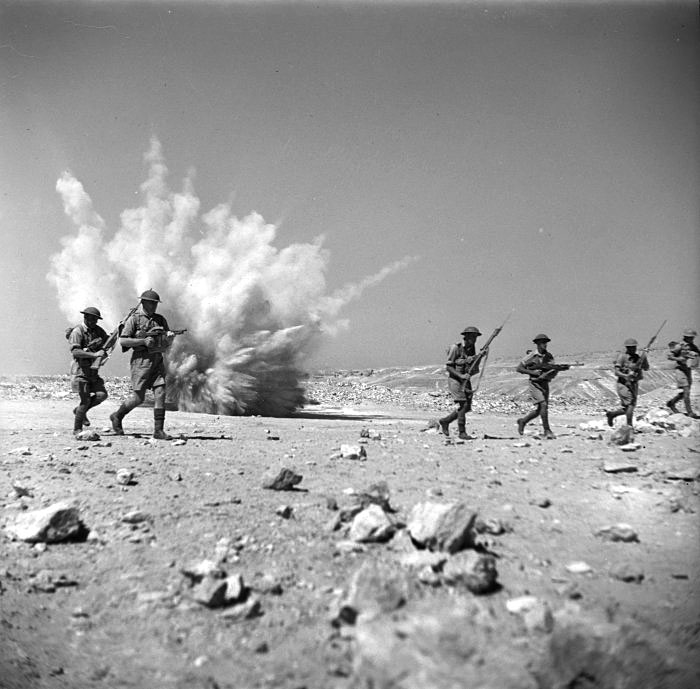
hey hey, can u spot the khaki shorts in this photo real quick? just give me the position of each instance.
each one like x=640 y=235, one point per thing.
x=683 y=378
x=460 y=392
x=94 y=383
x=628 y=395
x=147 y=373
x=539 y=392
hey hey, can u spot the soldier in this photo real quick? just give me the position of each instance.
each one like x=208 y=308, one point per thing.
x=685 y=354
x=86 y=341
x=628 y=368
x=147 y=363
x=540 y=366
x=462 y=363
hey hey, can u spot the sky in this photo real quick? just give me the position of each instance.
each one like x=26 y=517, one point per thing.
x=440 y=165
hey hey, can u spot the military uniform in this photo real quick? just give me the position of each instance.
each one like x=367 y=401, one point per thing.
x=462 y=359
x=147 y=366
x=539 y=366
x=537 y=389
x=85 y=341
x=624 y=365
x=147 y=363
x=685 y=355
x=629 y=367
x=81 y=371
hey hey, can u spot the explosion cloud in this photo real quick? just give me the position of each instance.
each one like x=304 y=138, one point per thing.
x=253 y=312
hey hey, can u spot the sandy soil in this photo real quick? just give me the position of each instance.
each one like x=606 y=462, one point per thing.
x=119 y=615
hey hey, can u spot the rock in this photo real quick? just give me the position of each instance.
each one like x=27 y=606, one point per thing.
x=135 y=517
x=281 y=478
x=495 y=527
x=204 y=568
x=419 y=559
x=609 y=655
x=243 y=611
x=680 y=421
x=687 y=473
x=437 y=644
x=578 y=568
x=375 y=588
x=236 y=590
x=284 y=511
x=476 y=571
x=627 y=573
x=353 y=452
x=641 y=426
x=371 y=525
x=428 y=576
x=521 y=604
x=88 y=435
x=58 y=522
x=618 y=532
x=210 y=592
x=630 y=447
x=594 y=425
x=125 y=477
x=539 y=618
x=612 y=467
x=442 y=526
x=622 y=435
x=22 y=491
x=375 y=494
x=19 y=451
x=653 y=416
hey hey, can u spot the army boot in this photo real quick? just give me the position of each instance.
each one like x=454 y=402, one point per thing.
x=116 y=419
x=463 y=435
x=86 y=421
x=158 y=422
x=78 y=419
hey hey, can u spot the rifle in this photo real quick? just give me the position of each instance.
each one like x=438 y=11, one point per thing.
x=111 y=341
x=159 y=334
x=483 y=351
x=636 y=370
x=549 y=371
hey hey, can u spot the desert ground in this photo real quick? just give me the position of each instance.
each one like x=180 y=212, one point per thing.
x=567 y=563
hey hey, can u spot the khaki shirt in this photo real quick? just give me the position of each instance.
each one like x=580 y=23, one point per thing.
x=82 y=337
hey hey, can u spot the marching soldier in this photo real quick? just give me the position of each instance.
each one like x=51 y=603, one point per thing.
x=540 y=366
x=462 y=363
x=685 y=354
x=628 y=368
x=86 y=341
x=147 y=363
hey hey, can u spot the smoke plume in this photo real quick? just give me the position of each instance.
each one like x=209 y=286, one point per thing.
x=254 y=313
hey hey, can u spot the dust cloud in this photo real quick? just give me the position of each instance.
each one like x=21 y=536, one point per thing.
x=254 y=313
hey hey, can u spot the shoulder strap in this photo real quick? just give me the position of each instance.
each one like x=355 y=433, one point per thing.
x=70 y=329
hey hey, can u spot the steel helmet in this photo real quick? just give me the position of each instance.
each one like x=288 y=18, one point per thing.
x=541 y=338
x=471 y=329
x=689 y=332
x=150 y=295
x=631 y=342
x=92 y=311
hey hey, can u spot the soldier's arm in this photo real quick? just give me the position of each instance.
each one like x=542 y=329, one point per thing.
x=129 y=336
x=619 y=367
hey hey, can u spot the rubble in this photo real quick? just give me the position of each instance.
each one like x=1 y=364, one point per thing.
x=475 y=571
x=281 y=478
x=442 y=526
x=618 y=532
x=58 y=522
x=371 y=525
